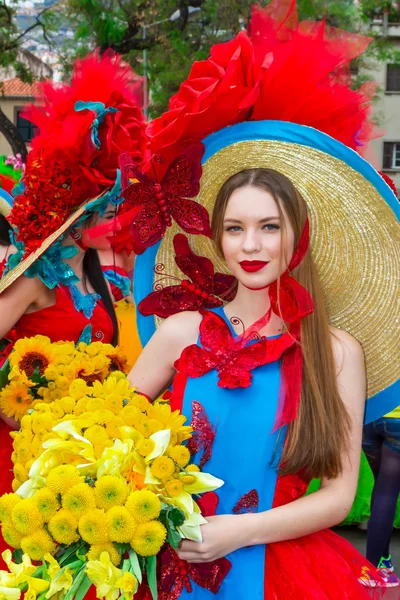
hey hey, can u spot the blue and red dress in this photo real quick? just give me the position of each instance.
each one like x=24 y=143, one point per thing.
x=233 y=437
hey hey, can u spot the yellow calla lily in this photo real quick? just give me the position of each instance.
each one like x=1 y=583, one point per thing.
x=7 y=593
x=104 y=575
x=30 y=486
x=204 y=482
x=117 y=459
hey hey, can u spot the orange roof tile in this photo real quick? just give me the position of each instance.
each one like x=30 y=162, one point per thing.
x=16 y=87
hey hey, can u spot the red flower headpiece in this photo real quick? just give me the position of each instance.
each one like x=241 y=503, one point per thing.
x=75 y=155
x=269 y=74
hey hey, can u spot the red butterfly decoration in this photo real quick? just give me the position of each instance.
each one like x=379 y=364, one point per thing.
x=203 y=289
x=162 y=202
x=233 y=360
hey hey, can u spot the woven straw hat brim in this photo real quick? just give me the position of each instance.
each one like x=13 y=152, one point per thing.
x=355 y=234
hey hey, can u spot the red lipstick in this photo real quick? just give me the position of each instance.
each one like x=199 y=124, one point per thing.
x=252 y=266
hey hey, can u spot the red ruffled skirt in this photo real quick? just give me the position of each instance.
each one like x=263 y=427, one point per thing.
x=321 y=566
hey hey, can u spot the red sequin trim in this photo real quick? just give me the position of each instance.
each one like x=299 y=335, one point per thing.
x=203 y=433
x=247 y=503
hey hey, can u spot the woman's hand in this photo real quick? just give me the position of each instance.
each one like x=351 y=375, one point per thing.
x=221 y=535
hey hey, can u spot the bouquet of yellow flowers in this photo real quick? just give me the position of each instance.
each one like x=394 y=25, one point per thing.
x=102 y=482
x=38 y=370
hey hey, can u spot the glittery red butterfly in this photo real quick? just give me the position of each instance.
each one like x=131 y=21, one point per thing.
x=167 y=200
x=203 y=289
x=232 y=359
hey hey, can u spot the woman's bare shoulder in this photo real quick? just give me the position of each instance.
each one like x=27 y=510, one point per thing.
x=182 y=328
x=345 y=346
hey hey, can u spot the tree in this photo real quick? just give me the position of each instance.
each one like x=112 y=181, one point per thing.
x=13 y=57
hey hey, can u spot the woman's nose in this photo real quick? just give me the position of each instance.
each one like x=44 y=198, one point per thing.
x=251 y=243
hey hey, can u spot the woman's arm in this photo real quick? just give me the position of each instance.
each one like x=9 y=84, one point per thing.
x=15 y=301
x=323 y=509
x=154 y=369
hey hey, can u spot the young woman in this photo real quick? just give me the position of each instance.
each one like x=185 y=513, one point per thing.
x=257 y=222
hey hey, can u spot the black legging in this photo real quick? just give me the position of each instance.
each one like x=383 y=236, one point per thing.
x=385 y=466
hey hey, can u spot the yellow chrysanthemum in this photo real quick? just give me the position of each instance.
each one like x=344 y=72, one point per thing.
x=96 y=433
x=92 y=527
x=139 y=401
x=188 y=479
x=120 y=524
x=7 y=503
x=38 y=544
x=113 y=403
x=78 y=389
x=145 y=447
x=110 y=491
x=15 y=485
x=30 y=354
x=63 y=478
x=10 y=535
x=20 y=472
x=149 y=538
x=93 y=349
x=180 y=455
x=131 y=415
x=47 y=503
x=42 y=422
x=143 y=505
x=162 y=467
x=15 y=400
x=26 y=517
x=94 y=404
x=174 y=487
x=112 y=427
x=192 y=469
x=103 y=416
x=96 y=550
x=63 y=527
x=79 y=499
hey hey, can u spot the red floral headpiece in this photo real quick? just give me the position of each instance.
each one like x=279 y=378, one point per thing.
x=75 y=155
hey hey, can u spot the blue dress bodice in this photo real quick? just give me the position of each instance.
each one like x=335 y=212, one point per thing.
x=244 y=455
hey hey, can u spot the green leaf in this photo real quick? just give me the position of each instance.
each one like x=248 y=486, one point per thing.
x=64 y=553
x=17 y=556
x=151 y=571
x=136 y=570
x=126 y=565
x=174 y=538
x=45 y=574
x=4 y=372
x=83 y=588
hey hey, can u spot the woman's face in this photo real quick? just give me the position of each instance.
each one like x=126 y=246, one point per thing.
x=252 y=237
x=94 y=235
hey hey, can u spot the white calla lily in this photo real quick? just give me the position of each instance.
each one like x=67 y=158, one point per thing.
x=116 y=459
x=29 y=487
x=67 y=427
x=185 y=502
x=190 y=530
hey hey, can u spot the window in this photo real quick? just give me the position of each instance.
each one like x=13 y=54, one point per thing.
x=25 y=128
x=393 y=78
x=391 y=155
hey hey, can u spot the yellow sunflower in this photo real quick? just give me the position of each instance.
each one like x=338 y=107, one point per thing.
x=15 y=400
x=31 y=354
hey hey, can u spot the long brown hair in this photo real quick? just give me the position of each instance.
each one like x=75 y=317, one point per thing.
x=317 y=439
